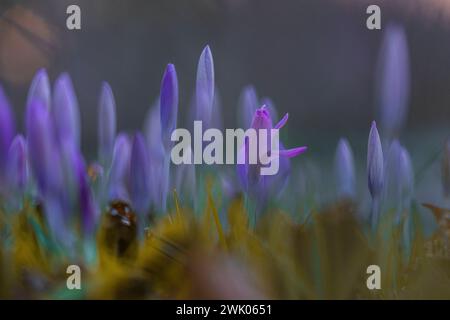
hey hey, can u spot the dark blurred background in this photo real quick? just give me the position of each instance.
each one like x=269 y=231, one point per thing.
x=315 y=58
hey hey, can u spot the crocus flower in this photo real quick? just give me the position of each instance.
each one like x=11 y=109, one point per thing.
x=65 y=111
x=106 y=124
x=249 y=175
x=345 y=170
x=375 y=171
x=40 y=89
x=139 y=176
x=393 y=80
x=204 y=91
x=446 y=169
x=168 y=105
x=17 y=170
x=119 y=171
x=248 y=103
x=7 y=130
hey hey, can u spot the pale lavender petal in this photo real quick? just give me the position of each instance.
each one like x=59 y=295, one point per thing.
x=152 y=129
x=248 y=103
x=204 y=90
x=106 y=124
x=42 y=149
x=407 y=174
x=40 y=89
x=394 y=80
x=120 y=168
x=140 y=192
x=345 y=170
x=7 y=130
x=217 y=116
x=65 y=111
x=45 y=163
x=88 y=207
x=375 y=169
x=17 y=166
x=168 y=104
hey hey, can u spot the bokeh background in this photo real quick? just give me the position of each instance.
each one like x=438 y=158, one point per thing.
x=315 y=58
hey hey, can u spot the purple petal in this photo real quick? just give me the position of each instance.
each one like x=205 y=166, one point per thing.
x=344 y=169
x=120 y=168
x=88 y=208
x=42 y=151
x=152 y=129
x=17 y=167
x=282 y=122
x=40 y=89
x=168 y=104
x=394 y=79
x=290 y=153
x=65 y=111
x=7 y=129
x=140 y=193
x=205 y=87
x=248 y=103
x=375 y=169
x=106 y=124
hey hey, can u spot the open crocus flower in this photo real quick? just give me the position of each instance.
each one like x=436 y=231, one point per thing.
x=251 y=179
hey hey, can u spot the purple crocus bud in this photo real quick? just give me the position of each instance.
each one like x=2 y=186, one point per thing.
x=248 y=103
x=204 y=90
x=7 y=130
x=140 y=193
x=65 y=111
x=106 y=124
x=393 y=80
x=375 y=169
x=42 y=150
x=168 y=105
x=120 y=168
x=88 y=207
x=446 y=169
x=40 y=89
x=399 y=181
x=345 y=170
x=17 y=167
